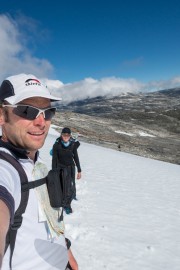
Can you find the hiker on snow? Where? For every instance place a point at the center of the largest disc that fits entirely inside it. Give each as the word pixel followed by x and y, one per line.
pixel 65 155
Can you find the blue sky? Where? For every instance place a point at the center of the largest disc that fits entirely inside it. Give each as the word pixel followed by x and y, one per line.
pixel 74 40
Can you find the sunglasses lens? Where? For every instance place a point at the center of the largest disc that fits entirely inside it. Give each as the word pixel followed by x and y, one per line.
pixel 31 113
pixel 26 112
pixel 66 135
pixel 49 113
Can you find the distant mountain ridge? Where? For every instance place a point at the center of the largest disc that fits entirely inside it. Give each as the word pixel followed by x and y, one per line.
pixel 81 106
pixel 146 124
pixel 171 92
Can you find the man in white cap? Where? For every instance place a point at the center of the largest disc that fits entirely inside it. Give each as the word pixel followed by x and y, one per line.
pixel 25 118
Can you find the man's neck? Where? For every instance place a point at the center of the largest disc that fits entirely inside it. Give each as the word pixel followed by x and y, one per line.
pixel 17 151
pixel 31 154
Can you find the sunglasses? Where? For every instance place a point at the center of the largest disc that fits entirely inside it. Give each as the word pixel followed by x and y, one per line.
pixel 30 113
pixel 66 135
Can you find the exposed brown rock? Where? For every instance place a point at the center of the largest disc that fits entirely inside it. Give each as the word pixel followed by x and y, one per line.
pixel 144 124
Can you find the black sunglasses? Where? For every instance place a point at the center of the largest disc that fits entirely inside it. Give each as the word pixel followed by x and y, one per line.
pixel 30 113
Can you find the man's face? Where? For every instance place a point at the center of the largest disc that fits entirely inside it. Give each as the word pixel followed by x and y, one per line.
pixel 27 134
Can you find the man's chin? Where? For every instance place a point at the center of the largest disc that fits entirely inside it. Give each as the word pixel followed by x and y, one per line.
pixel 35 146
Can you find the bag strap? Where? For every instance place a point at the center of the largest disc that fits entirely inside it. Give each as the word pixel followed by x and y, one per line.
pixel 34 184
pixel 25 187
pixel 11 235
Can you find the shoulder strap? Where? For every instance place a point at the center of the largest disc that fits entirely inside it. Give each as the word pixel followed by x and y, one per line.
pixel 25 187
pixel 77 144
pixel 11 235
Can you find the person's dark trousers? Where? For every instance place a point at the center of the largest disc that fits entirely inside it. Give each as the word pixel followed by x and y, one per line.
pixel 68 175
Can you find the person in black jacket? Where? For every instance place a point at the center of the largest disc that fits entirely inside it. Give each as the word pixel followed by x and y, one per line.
pixel 65 155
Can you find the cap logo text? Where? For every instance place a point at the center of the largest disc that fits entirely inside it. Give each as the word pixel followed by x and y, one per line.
pixel 32 82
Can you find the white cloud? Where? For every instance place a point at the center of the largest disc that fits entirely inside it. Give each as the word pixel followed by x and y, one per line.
pixel 15 56
pixel 90 87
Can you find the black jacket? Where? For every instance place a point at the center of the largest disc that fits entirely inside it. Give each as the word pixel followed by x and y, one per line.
pixel 65 156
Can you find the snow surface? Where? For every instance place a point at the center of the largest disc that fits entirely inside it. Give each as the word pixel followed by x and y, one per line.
pixel 127 216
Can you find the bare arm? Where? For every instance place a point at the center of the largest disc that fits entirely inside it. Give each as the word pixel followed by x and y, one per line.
pixel 4 225
pixel 72 260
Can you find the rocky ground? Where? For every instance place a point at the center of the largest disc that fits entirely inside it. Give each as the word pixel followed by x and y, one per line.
pixel 143 124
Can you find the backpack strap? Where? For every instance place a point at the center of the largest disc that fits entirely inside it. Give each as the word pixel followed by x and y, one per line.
pixel 25 187
pixel 11 235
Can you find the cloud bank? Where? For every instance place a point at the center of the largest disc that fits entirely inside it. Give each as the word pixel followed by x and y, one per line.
pixel 16 57
pixel 89 88
pixel 111 86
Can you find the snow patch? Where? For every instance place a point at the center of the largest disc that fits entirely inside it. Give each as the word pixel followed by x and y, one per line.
pixel 123 132
pixel 141 133
pixel 52 130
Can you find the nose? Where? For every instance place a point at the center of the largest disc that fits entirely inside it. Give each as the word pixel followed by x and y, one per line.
pixel 40 120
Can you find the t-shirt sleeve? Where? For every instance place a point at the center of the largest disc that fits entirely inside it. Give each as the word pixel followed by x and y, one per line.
pixel 10 189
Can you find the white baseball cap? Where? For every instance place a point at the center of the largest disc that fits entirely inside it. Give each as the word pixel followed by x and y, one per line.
pixel 22 86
